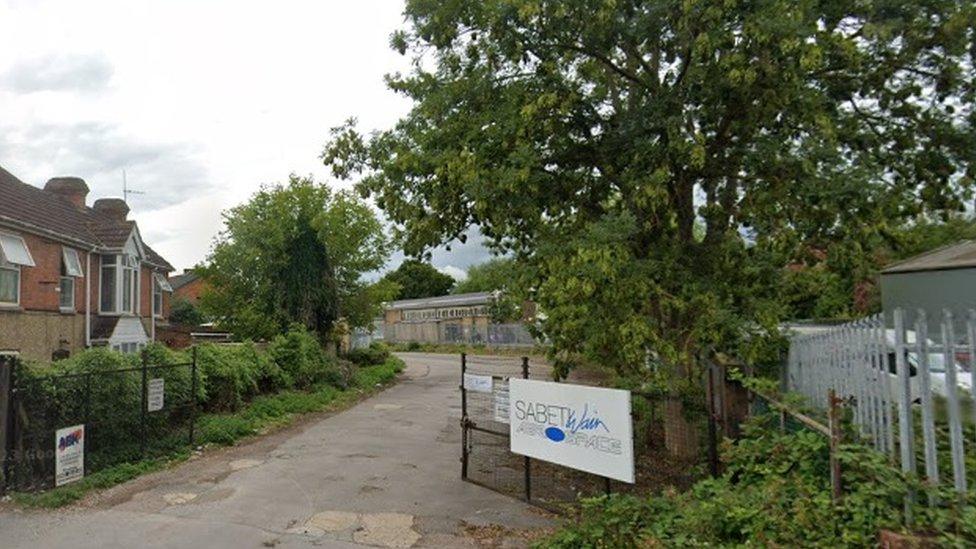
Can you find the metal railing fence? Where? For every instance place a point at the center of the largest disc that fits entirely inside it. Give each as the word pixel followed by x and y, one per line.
pixel 910 388
pixel 127 414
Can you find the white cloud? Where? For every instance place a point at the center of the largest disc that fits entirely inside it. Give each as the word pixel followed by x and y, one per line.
pixel 55 72
pixel 455 272
pixel 200 102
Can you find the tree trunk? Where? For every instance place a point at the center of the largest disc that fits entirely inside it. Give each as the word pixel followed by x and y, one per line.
pixel 681 435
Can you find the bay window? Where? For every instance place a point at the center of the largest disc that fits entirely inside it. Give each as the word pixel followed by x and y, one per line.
pixel 109 295
pixel 120 284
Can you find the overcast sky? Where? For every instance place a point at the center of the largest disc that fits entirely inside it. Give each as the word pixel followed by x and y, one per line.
pixel 199 101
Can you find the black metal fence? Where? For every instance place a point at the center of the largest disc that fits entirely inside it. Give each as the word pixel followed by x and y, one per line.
pixel 127 414
pixel 487 461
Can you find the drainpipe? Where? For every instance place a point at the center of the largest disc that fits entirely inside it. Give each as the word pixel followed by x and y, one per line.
pixel 88 299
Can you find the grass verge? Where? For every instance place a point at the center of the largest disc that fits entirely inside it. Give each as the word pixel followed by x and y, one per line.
pixel 262 415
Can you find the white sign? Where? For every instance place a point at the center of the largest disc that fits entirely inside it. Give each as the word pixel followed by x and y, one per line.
pixel 586 428
pixel 476 383
pixel 154 401
pixel 499 399
pixel 69 454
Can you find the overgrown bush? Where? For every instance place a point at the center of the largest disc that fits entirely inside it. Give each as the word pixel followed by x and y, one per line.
pixel 231 374
pixel 775 491
pixel 376 353
pixel 303 361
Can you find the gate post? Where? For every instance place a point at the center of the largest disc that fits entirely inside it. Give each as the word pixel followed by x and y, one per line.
pixel 528 461
pixel 464 419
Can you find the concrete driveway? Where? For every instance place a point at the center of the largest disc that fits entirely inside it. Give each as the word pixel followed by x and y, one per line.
pixel 383 473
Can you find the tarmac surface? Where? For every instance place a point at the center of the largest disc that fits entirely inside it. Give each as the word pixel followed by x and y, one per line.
pixel 384 473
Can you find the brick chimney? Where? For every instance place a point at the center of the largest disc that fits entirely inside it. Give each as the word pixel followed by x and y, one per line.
pixel 113 208
pixel 73 188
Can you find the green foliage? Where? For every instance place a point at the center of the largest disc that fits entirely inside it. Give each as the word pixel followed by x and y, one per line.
pixel 229 379
pixel 417 279
pixel 376 353
pixel 302 360
pixel 223 429
pixel 182 312
pixel 295 253
pixel 656 165
pixel 496 274
pixel 775 491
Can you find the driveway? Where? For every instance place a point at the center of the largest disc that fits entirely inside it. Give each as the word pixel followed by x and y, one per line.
pixel 383 473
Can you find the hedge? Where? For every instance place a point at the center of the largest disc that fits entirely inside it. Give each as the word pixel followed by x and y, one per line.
pixel 109 402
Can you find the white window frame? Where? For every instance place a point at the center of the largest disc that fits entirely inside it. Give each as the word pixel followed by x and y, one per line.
pixel 8 246
pixel 126 265
pixel 157 293
pixel 72 262
pixel 66 308
pixel 4 265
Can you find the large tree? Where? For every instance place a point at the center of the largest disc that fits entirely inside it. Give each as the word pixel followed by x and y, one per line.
pixel 660 162
pixel 496 274
pixel 296 253
pixel 416 279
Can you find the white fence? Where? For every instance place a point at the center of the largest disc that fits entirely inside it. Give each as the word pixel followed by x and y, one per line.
pixel 896 378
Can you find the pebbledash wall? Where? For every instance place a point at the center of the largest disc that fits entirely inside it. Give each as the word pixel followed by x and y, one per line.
pixel 38 327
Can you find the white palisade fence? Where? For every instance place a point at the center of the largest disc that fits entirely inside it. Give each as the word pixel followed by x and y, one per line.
pixel 897 379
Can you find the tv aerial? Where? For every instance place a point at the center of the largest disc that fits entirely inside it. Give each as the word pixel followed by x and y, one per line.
pixel 125 189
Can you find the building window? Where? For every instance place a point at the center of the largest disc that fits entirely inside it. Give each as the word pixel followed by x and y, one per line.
pixel 67 298
pixel 9 283
pixel 160 285
pixel 120 284
pixel 109 300
pixel 14 250
pixel 70 268
pixel 128 347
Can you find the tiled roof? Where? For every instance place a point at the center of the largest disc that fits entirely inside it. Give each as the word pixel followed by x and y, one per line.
pixel 51 214
pixel 961 255
pixel 179 281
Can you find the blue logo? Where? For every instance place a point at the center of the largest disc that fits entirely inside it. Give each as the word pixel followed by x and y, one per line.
pixel 555 434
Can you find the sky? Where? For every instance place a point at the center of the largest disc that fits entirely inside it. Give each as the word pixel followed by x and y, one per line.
pixel 200 102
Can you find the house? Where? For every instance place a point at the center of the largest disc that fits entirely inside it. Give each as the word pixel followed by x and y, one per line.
pixel 74 276
pixel 944 278
pixel 188 286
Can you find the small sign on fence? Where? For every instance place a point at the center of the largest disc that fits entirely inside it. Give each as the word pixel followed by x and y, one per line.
pixel 69 454
pixel 154 400
pixel 477 383
pixel 585 428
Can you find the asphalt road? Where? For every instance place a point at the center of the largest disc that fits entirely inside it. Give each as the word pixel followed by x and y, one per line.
pixel 383 473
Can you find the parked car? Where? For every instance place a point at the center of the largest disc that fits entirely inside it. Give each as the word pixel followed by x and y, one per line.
pixel 937 368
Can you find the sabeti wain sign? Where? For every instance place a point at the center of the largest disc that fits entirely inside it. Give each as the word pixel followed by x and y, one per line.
pixel 585 428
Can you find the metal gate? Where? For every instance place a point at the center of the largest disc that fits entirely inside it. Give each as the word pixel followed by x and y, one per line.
pixel 485 456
